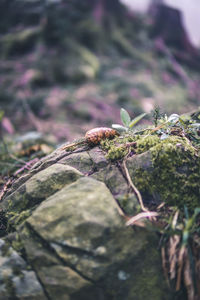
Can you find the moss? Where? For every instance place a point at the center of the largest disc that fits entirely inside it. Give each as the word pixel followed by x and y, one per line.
pixel 20 198
pixel 174 177
pixel 15 219
pixel 17 244
pixel 146 142
pixel 116 149
pixel 116 153
pixel 6 250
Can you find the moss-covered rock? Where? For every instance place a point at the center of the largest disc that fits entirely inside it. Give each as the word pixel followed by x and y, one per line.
pixel 163 170
pixel 78 234
pixel 68 225
pixel 40 186
pixel 174 174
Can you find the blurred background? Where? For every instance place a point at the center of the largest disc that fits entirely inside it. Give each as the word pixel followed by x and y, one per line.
pixel 68 65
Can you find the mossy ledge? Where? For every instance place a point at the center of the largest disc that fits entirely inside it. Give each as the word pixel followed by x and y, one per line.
pixel 174 176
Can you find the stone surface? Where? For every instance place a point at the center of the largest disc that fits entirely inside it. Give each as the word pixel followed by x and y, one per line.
pixel 81 161
pixel 40 186
pixel 75 242
pixel 17 281
pixel 98 157
pixel 113 178
pixel 78 233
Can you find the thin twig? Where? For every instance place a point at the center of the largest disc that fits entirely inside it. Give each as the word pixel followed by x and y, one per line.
pixel 136 191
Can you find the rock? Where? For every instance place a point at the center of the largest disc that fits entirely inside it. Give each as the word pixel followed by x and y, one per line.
pixel 94 164
pixel 81 161
pixel 113 179
pixel 98 158
pixel 40 186
pixel 78 233
pixel 17 281
pixel 69 227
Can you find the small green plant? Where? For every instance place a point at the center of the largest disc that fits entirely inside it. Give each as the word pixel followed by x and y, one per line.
pixel 157 115
pixel 178 125
pixel 126 121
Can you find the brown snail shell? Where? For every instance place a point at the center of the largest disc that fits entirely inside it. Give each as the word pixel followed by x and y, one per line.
pixel 95 135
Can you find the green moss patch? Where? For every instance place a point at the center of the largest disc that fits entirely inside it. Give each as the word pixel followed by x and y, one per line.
pixel 175 174
pixel 175 167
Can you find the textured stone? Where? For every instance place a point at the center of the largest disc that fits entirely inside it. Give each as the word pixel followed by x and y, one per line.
pixel 113 178
pixel 40 186
pixel 78 233
pixel 77 245
pixel 17 281
pixel 80 160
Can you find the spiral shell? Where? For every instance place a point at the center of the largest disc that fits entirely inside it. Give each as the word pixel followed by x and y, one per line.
pixel 94 136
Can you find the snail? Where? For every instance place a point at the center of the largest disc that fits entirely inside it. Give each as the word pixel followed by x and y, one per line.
pixel 94 136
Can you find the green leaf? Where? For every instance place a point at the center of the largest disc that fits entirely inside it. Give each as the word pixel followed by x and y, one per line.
pixel 125 118
pixel 136 120
pixel 119 128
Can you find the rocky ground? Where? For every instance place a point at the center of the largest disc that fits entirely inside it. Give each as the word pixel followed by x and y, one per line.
pixel 68 240
pixel 64 232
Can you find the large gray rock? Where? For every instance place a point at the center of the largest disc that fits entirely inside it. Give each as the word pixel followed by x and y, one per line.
pixel 74 242
pixel 78 245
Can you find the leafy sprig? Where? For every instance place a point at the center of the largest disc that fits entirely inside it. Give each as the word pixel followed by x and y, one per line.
pixel 128 124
